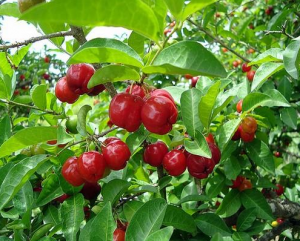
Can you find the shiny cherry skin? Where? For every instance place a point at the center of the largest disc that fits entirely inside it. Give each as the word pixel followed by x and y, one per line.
pixel 162 92
pixel 239 106
pixel 116 154
pixel 199 166
pixel 46 76
pixel 174 162
pixel 159 113
pixel 78 77
pixel 136 90
pixel 215 152
pixel 71 172
pixel 110 140
pixel 237 134
pixel 64 93
pixel 22 77
pixel 246 184
pixel 249 125
pixel 194 81
pixel 237 182
pixel 235 64
pixel 210 138
pixel 246 137
pixel 250 75
pixel 125 111
pixel 269 10
pixel 154 153
pixel 246 68
pixel 91 166
pixel 277 154
pixel 279 190
pixel 90 191
pixel 96 90
pixel 119 235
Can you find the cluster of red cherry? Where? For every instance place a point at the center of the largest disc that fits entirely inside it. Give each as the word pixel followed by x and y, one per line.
pixel 250 73
pixel 156 109
pixel 241 183
pixel 246 130
pixel 176 161
pixel 92 166
pixel 70 87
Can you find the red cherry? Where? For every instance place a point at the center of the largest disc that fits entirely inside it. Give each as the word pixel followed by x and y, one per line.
pixel 224 50
pixel 78 76
pixel 167 30
pixel 246 137
pixel 64 93
pixel 119 235
pixel 237 134
pixel 215 152
pixel 159 114
pixel 250 75
pixel 125 111
pixel 237 182
pixel 122 225
pixel 249 125
pixel 194 81
pixel 279 190
pixel 22 77
pixel 91 191
pixel 269 10
pixel 162 92
pixel 218 15
pixel 71 173
pixel 96 90
pixel 246 68
pixel 52 142
pixel 16 92
pixel 280 220
pixel 235 64
pixel 116 154
pixel 199 166
pixel 111 140
pixel 110 124
pixel 174 162
pixel 239 106
pixel 91 166
pixel 188 76
pixel 46 76
pixel 25 87
pixel 154 153
pixel 47 59
pixel 87 212
pixel 62 198
pixel 239 61
pixel 136 90
pixel 245 185
pixel 277 154
pixel 210 138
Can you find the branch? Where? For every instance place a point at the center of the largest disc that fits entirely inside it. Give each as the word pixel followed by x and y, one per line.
pixel 285 208
pixel 128 198
pixel 270 235
pixel 282 31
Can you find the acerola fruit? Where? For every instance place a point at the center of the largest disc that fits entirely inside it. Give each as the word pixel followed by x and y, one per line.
pixel 245 185
pixel 210 138
pixel 16 92
pixel 217 15
pixel 119 235
pixel 199 166
pixel 215 152
pixel 62 198
pixel 122 225
pixel 279 190
pixel 246 137
pixel 46 59
pixel 22 77
pixel 269 10
pixel 136 90
pixel 91 166
pixel 71 173
pixel 237 182
pixel 64 93
pixel 250 75
pixel 96 90
pixel 274 224
pixel 162 92
pixel 174 162
pixel 246 68
pixel 125 111
pixel 237 134
pixel 194 81
pixel 90 191
pixel 235 64
pixel 239 106
pixel 224 50
pixel 154 153
pixel 188 76
pixel 277 154
pixel 46 76
pixel 249 125
pixel 280 220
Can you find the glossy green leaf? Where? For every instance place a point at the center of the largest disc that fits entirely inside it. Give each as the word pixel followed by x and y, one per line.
pixel 240 236
pixel 135 140
pixel 27 137
pixel 285 88
pixel 232 167
pixel 4 65
pixel 50 27
pixel 278 20
pixel 82 118
pixel 62 136
pixel 244 23
pixel 137 42
pixel 113 73
pixel 230 204
pixel 222 101
pixel 277 99
pixel 10 9
pixel 246 218
pixel 5 129
pixel 176 92
pixel 146 220
pixel 8 85
pixel 226 131
pixel 20 54
pixel 134 15
pixel 198 146
pixel 38 95
pixel 72 215
pixel 161 235
pixel 195 6
pixel 210 224
pixel 291 59
pixel 264 72
pixel 23 170
pixel 217 237
pixel 23 200
pixel 113 190
pixel 273 54
pixel 130 209
pixel 254 198
pixel 41 232
pixel 52 215
pixel 186 57
pixel 215 185
pixel 254 100
pixel 179 219
pixel 189 102
pixel 194 198
pixel 289 116
pixel 261 155
pixel 175 7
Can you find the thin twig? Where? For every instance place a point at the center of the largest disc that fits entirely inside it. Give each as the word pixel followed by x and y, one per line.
pixel 282 31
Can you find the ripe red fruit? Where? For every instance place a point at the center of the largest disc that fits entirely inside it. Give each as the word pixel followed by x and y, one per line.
pixel 119 235
pixel 159 113
pixel 199 166
pixel 279 190
pixel 136 90
pixel 235 64
pixel 249 125
pixel 122 225
pixel 269 10
pixel 116 154
pixel 46 76
pixel 172 24
pixel 25 87
pixel 218 15
pixel 64 93
pixel 188 76
pixel 47 59
pixel 251 26
pixel 71 173
pixel 250 75
pixel 167 30
pixel 246 68
pixel 174 162
pixel 16 92
pixel 162 92
pixel 125 111
pixel 62 198
pixel 245 185
pixel 210 138
pixel 239 61
pixel 237 182
pixel 110 124
pixel 239 106
pixel 246 137
pixel 96 90
pixel 194 81
pixel 154 153
pixel 224 50
pixel 280 220
pixel 91 166
pixel 22 77
pixel 277 154
pixel 215 152
pixel 78 76
pixel 52 142
pixel 237 134
pixel 90 191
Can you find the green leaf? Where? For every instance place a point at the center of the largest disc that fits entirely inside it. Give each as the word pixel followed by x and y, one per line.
pixel 210 224
pixel 289 116
pixel 130 209
pixel 38 95
pixel 285 88
pixel 254 100
pixel 113 190
pixel 179 219
pixel 5 129
pixel 214 186
pixel 52 215
pixel 4 65
pixel 217 237
pixel 198 146
pixel 254 198
pixel 261 155
pixel 264 72
pixel 243 25
pixel 186 57
pixel 10 9
pixel 27 137
pixel 7 85
pixel 273 54
pixel 135 140
pixel 72 215
pixel 50 27
pixel 175 7
pixel 195 6
pixel 98 13
pixel 278 20
pixel 207 103
pixel 291 59
pixel 146 220
pixel 246 218
pixel 189 102
pixel 240 236
pixel 23 170
pixel 81 119
pixel 176 92
pixel 232 167
pixel 277 98
pixel 230 204
pixel 161 235
pixel 195 198
pixel 20 54
pixel 41 232
pixel 23 200
pixel 137 42
pixel 226 131
pixel 113 73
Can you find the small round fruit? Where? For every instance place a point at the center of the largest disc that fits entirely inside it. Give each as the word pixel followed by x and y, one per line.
pixel 269 10
pixel 239 106
pixel 162 92
pixel 188 76
pixel 215 152
pixel 47 60
pixel 237 134
pixel 277 154
pixel 224 50
pixel 249 125
pixel 119 235
pixel 71 173
pixel 245 185
pixel 235 64
pixel 246 68
pixel 26 4
pixel 210 138
pixel 136 90
pixel 22 77
pixel 246 137
pixel 62 198
pixel 174 162
pixel 91 166
pixel 274 224
pixel 199 166
pixel 16 92
pixel 279 190
pixel 90 191
pixel 64 93
pixel 194 81
pixel 71 124
pixel 78 77
pixel 52 142
pixel 237 182
pixel 46 76
pixel 154 153
pixel 250 75
pixel 96 90
pixel 280 220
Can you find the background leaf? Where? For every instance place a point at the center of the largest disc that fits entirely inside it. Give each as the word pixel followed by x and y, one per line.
pixel 291 59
